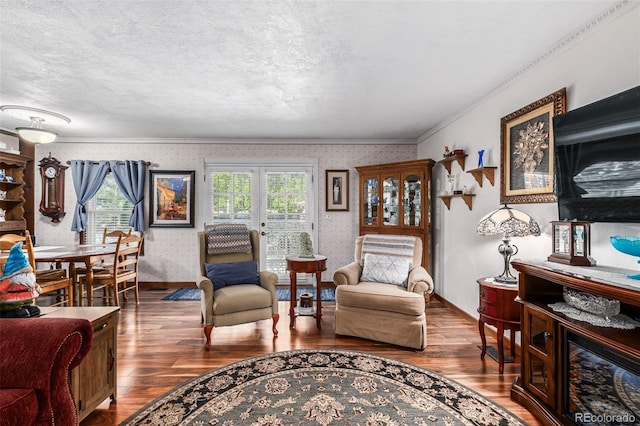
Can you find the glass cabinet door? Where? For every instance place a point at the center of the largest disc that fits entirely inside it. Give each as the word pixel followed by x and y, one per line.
pixel 390 195
pixel 412 201
pixel 370 201
pixel 539 355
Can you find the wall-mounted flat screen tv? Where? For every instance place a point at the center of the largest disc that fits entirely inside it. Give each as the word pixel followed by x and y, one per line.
pixel 597 160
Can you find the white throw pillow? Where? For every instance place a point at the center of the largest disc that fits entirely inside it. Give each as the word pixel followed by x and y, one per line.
pixel 386 269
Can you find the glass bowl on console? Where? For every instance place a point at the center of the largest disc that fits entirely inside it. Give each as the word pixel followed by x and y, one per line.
pixel 628 245
pixel 587 302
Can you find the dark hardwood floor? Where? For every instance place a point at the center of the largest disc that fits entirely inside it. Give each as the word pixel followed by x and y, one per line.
pixel 160 345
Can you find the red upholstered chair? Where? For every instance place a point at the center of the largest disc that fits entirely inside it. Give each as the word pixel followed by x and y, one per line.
pixel 36 356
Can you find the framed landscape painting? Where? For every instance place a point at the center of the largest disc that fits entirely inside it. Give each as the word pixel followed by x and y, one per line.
pixel 171 199
pixel 527 150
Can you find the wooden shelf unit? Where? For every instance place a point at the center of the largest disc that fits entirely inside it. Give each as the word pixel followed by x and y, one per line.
pixel 467 198
pixel 14 201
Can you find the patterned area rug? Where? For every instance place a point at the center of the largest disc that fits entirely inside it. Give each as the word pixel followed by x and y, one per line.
pixel 327 294
pixel 322 387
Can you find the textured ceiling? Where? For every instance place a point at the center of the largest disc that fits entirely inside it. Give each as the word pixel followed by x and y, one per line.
pixel 270 69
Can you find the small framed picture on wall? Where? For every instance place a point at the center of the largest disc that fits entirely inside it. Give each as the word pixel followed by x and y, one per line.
pixel 337 190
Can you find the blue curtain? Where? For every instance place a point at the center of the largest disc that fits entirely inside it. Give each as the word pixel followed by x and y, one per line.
pixel 87 179
pixel 130 177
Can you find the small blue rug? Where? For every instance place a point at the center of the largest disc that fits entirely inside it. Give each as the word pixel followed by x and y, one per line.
pixel 184 294
pixel 328 294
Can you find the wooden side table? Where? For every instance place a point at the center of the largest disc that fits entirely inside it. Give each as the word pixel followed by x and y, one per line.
pixel 498 308
pixel 95 379
pixel 296 265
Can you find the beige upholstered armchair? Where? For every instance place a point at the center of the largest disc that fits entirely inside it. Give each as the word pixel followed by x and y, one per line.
pixel 381 295
pixel 236 297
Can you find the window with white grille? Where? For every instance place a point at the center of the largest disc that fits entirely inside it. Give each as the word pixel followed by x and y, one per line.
pixel 108 209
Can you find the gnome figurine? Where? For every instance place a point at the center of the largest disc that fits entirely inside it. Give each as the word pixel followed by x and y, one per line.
pixel 18 287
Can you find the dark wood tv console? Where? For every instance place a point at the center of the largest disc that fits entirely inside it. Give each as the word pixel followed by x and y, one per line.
pixel 545 381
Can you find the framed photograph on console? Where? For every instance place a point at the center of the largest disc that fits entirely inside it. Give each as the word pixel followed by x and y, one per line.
pixel 171 199
pixel 337 190
pixel 526 151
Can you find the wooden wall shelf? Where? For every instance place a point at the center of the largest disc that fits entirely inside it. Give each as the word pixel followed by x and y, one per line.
pixel 467 198
pixel 446 162
pixel 487 171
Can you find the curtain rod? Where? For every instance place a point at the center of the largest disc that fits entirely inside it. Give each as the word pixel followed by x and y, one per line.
pixel 118 162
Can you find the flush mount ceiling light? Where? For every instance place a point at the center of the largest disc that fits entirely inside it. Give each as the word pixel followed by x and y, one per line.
pixel 35 133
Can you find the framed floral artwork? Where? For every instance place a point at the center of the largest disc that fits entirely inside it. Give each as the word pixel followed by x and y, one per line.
pixel 171 199
pixel 526 152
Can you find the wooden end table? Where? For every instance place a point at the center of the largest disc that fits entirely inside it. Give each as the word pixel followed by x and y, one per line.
pixel 96 378
pixel 314 265
pixel 498 308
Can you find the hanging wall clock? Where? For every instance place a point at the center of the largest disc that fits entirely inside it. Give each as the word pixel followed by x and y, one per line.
pixel 52 201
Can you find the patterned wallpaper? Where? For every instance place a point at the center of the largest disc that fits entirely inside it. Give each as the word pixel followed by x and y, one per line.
pixel 171 253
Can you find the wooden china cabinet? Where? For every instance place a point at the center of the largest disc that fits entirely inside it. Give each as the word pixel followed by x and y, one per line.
pixel 12 193
pixel 396 198
pixel 16 188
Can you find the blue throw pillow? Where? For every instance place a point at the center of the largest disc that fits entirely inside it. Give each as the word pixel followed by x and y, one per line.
pixel 224 274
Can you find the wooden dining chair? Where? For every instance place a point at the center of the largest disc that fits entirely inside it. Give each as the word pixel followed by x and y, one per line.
pixel 108 237
pixel 122 277
pixel 53 281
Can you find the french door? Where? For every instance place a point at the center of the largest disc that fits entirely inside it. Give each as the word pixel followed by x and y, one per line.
pixel 277 199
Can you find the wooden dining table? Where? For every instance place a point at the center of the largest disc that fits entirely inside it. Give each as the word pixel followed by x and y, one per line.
pixel 88 254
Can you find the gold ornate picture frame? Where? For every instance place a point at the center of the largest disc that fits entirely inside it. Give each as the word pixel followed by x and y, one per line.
pixel 527 150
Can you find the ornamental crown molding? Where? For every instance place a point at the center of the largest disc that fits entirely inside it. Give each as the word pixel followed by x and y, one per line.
pixel 572 39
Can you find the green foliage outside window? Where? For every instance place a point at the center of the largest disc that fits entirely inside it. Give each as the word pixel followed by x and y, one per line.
pixel 108 209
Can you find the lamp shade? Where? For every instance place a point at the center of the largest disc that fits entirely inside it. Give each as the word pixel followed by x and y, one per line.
pixel 34 135
pixel 507 222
